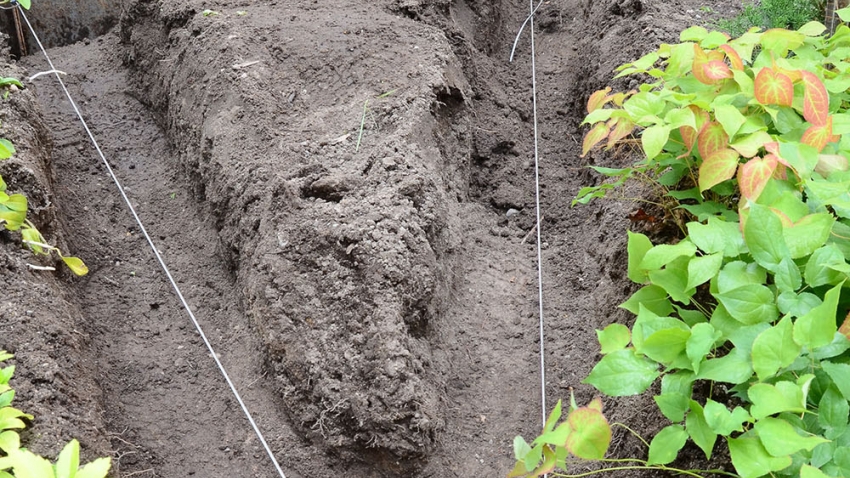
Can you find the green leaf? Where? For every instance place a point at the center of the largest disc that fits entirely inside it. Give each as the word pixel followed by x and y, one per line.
pixel 10 418
pixel 28 465
pixel 734 367
pixel 717 236
pixel 700 343
pixel 770 399
pixel 702 434
pixel 623 373
pixel 812 29
pixel 817 328
pixel 780 438
pixel 751 460
pixel 590 434
pixel 614 337
pixel 763 235
pixel 738 274
pixel 532 459
pixel 674 280
pixel 797 305
pixel 553 418
pixel 9 440
pixel 818 272
pixel 652 297
pixel 557 437
pixel 653 140
pixel 833 411
pixel 521 448
pixel 840 375
pixel 788 277
pixel 702 269
pixel 638 246
pixel 663 254
pixel 721 420
pixel 96 469
pixel 808 471
pixel 774 349
pixel 730 118
pixel 6 149
pixel 665 345
pixel 808 234
pixel 25 3
pixel 673 405
pixel 750 304
pixel 666 445
pixel 69 460
pixel 695 34
pixel 76 265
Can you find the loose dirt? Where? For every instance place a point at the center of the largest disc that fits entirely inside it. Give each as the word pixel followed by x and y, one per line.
pixel 372 289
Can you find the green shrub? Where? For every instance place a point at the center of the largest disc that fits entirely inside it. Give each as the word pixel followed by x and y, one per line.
pixel 791 14
pixel 751 137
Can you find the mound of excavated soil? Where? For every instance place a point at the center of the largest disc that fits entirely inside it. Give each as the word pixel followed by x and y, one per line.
pixel 344 189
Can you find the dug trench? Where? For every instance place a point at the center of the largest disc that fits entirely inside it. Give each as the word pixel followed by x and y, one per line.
pixel 344 192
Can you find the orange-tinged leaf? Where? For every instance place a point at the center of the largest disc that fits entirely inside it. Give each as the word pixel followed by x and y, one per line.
pixel 717 70
pixel 518 471
pixel 715 55
pixel 549 462
pixel 718 167
pixel 594 136
pixel 591 434
pixel 712 138
pixel 845 327
pixel 598 99
pixel 815 100
pixel 689 135
pixel 622 128
pixel 619 98
pixel 818 136
pixel 773 88
pixel 596 404
pixel 733 56
pixel 795 75
pixel 783 218
pixel 701 59
pixel 754 175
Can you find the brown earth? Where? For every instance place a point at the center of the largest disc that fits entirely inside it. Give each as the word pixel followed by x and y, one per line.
pixel 374 298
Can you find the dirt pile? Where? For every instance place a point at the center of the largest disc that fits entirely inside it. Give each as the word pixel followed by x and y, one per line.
pixel 343 254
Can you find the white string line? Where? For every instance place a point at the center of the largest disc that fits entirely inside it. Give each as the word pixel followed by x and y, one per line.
pixel 530 21
pixel 155 251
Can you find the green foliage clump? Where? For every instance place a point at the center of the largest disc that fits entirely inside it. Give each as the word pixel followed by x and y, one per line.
pixel 791 14
pixel 17 462
pixel 750 139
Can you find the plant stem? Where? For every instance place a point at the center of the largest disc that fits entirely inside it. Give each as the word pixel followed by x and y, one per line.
pixel 632 432
pixel 693 473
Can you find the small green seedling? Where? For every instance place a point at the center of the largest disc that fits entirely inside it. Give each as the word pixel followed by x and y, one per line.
pixel 363 117
pixel 209 13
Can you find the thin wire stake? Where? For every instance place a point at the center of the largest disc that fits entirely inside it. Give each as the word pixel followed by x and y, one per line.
pixel 530 21
pixel 156 252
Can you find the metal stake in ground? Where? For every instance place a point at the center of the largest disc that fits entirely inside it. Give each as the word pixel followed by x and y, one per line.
pixel 530 21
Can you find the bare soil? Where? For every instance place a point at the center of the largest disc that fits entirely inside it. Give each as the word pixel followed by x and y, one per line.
pixel 372 290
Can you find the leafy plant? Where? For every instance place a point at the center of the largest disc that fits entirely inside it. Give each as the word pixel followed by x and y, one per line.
pixel 749 136
pixel 13 214
pixel 21 463
pixel 766 14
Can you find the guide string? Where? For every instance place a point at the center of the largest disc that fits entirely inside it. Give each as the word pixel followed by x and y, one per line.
pixel 530 21
pixel 156 253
